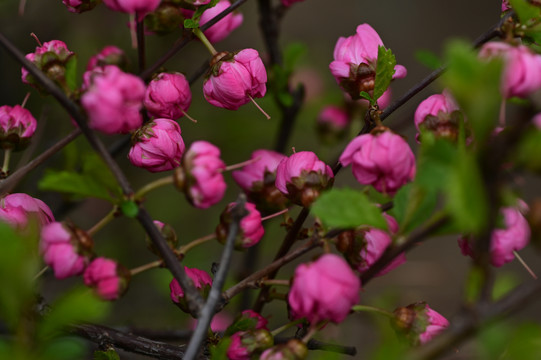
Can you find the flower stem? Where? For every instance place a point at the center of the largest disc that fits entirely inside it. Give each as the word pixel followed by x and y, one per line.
pixel 188 116
pixel 241 164
pixel 528 269
pixel 311 332
pixel 104 221
pixel 286 326
pixel 184 249
pixel 25 100
pixel 197 32
pixel 359 308
pixel 145 267
pixel 153 185
pixel 268 217
pixel 7 156
pixel 259 107
pixel 41 272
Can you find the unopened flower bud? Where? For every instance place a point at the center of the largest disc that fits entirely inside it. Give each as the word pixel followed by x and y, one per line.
pixel 108 278
pixel 165 19
pixel 381 159
pixel 17 209
pixel 418 322
pixel 157 146
pixel 109 55
pixel 141 7
pixel 225 26
pixel 79 6
pixel 244 344
pixel 202 282
pixel 65 248
pixel 332 123
pixel 250 231
pixel 200 176
pixel 440 115
pixel 294 349
pixel 302 177
pixel 168 234
pixel 234 78
pixel 168 95
pixel 17 125
pixel 260 321
pixel 355 60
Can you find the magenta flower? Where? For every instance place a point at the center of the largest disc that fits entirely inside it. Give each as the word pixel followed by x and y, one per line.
pixel 158 146
pixel 245 344
pixel 332 123
pixel 522 68
pixel 168 95
pixel 383 160
pixel 355 60
pixel 108 278
pixel 261 321
pixel 302 177
pixel 16 209
pixel 200 177
pixel 17 125
pixel 225 26
pixel 439 114
pixel 113 101
pixel 324 290
pixel 202 282
pixel 514 237
pixel 79 6
pixel 109 55
pixel 505 5
pixel 236 351
pixel 65 249
pixel 235 78
pixel 141 7
pixel 419 323
pixel 251 229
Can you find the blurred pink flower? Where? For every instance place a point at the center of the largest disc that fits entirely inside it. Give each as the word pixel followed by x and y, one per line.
pixel 168 95
pixel 16 209
pixel 225 26
pixel 109 279
pixel 17 125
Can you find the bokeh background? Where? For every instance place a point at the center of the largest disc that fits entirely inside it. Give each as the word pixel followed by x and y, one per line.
pixel 435 272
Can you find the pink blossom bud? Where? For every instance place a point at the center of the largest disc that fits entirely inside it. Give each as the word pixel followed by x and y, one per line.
pixel 168 95
pixel 202 282
pixel 381 159
pixel 109 55
pixel 505 5
pixel 251 229
pixel 79 6
pixel 440 115
pixel 16 209
pixel 324 290
pixel 65 248
pixel 258 177
pixel 288 3
pixel 219 323
pixel 113 101
pixel 418 322
pixel 225 26
pixel 244 344
pixel 52 59
pixel 168 234
pixel 302 177
pixel 157 146
pixel 522 68
pixel 261 322
pixel 514 237
pixel 332 123
pixel 355 60
pixel 200 176
pixel 141 7
pixel 234 78
pixel 17 125
pixel 108 278
pixel 167 18
pixel 294 349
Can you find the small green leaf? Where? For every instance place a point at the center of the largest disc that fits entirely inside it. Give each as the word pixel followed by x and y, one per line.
pixel 524 344
pixel 194 21
pixel 110 354
pixel 473 285
pixel 367 96
pixel 413 206
pixel 347 209
pixel 219 352
pixel 129 208
pixel 71 73
pixel 503 285
pixel 243 324
pixel 292 54
pixel 428 59
pixel 528 150
pixel 384 71
pixel 64 348
pixel 493 339
pixel 525 11
pixel 190 24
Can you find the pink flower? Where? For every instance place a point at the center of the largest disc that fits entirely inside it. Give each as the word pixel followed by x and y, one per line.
pixel 383 160
pixel 109 55
pixel 290 2
pixel 15 209
pixel 332 123
pixel 168 95
pixel 505 5
pixel 202 282
pixel 324 290
pixel 294 349
pixel 419 323
pixel 236 351
pixel 376 241
pixel 17 125
pixel 355 60
pixel 107 278
pixel 132 6
pixel 158 146
pixel 251 229
pixel 225 26
pixel 514 237
pixel 302 177
pixel 434 105
pixel 65 249
pixel 113 101
pixel 244 344
pixel 79 6
pixel 522 68
pixel 254 174
pixel 235 78
pixel 261 321
pixel 201 177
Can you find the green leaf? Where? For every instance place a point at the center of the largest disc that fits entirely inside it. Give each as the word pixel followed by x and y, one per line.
pixel 367 96
pixel 524 344
pixel 219 351
pixel 528 150
pixel 525 11
pixel 428 59
pixel 503 285
pixel 473 285
pixel 292 54
pixel 384 71
pixel 243 324
pixel 129 208
pixel 413 205
pixel 194 21
pixel 65 348
pixel 110 354
pixel 190 24
pixel 95 180
pixel 493 339
pixel 77 306
pixel 475 84
pixel 71 73
pixel 346 209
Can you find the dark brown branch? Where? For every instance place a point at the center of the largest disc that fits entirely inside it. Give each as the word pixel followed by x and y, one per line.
pixel 140 28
